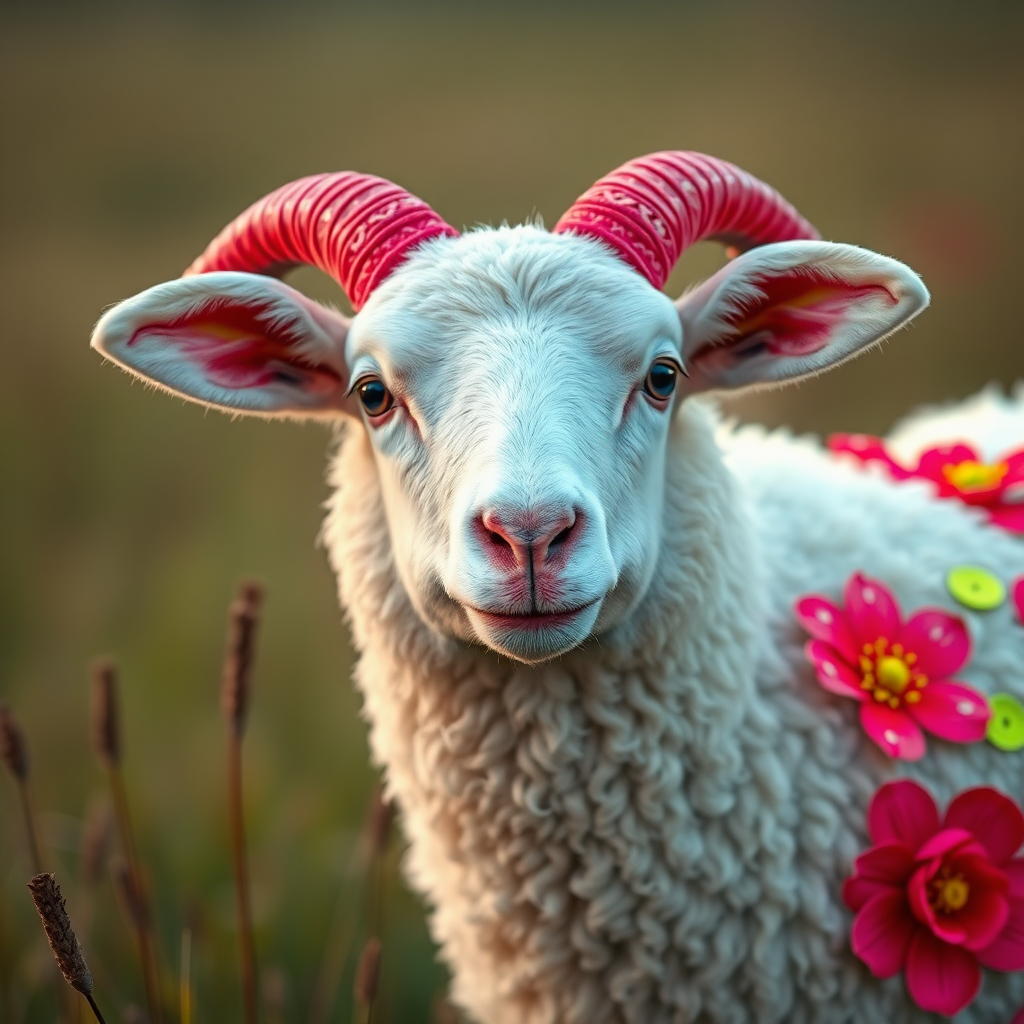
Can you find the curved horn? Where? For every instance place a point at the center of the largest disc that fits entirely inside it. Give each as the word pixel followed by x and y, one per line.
pixel 355 227
pixel 650 209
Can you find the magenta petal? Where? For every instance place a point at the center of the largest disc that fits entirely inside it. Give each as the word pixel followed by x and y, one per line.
pixel 1014 466
pixel 856 891
pixel 993 818
pixel 1007 952
pixel 868 449
pixel 975 924
pixel 940 977
pixel 953 711
pixel 871 610
pixel 917 893
pixel 1018 596
pixel 882 867
pixel 833 673
pixel 825 621
pixel 1015 873
pixel 1009 516
pixel 882 931
pixel 949 839
pixel 934 460
pixel 902 812
pixel 939 640
pixel 982 920
pixel 894 731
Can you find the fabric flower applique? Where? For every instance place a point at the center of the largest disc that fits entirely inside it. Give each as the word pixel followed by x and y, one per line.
pixel 897 670
pixel 939 899
pixel 958 471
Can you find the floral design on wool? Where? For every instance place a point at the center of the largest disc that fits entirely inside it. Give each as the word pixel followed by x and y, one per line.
pixel 956 471
pixel 898 671
pixel 938 899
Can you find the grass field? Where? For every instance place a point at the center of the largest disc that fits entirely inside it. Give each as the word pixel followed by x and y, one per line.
pixel 130 135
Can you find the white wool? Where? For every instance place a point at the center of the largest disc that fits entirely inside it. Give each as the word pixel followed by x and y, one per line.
pixel 992 421
pixel 655 827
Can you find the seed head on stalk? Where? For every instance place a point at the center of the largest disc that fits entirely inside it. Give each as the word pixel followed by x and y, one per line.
pixel 14 754
pixel 106 732
pixel 13 751
pixel 67 950
pixel 106 737
pixel 244 617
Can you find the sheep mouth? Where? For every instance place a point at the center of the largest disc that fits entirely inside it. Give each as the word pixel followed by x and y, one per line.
pixel 532 619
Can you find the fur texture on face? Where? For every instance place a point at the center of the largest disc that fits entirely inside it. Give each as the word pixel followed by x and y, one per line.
pixel 522 463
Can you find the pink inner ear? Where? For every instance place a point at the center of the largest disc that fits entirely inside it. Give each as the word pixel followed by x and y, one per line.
pixel 797 313
pixel 236 349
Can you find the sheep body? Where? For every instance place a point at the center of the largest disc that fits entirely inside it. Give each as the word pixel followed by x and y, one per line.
pixel 655 826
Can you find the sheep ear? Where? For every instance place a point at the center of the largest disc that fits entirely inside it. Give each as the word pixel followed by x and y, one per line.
pixel 787 310
pixel 240 342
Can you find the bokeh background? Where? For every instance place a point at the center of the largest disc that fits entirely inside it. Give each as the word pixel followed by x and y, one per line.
pixel 131 134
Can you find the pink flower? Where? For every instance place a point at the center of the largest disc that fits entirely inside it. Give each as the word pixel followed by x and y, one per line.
pixel 897 670
pixel 938 899
pixel 957 471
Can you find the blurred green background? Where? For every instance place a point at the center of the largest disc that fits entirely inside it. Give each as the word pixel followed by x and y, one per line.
pixel 131 134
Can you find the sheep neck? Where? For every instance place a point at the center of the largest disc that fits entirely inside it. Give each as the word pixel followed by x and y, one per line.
pixel 556 806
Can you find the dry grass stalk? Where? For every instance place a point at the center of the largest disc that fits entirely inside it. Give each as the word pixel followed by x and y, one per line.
pixel 378 826
pixel 275 995
pixel 366 856
pixel 106 733
pixel 444 1012
pixel 93 852
pixel 185 978
pixel 124 885
pixel 95 846
pixel 66 948
pixel 235 695
pixel 107 744
pixel 367 977
pixel 14 754
pixel 244 623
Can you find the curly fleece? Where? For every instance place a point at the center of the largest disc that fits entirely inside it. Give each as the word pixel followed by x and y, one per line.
pixel 655 827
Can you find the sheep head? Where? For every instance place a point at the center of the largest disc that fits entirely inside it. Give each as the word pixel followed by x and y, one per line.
pixel 517 385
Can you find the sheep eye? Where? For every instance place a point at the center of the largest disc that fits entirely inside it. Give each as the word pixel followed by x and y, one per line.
pixel 375 397
pixel 661 380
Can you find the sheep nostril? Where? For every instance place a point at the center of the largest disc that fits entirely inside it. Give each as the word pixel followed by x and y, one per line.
pixel 498 540
pixel 561 536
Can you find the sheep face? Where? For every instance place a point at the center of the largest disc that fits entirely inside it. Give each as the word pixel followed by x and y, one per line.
pixel 517 387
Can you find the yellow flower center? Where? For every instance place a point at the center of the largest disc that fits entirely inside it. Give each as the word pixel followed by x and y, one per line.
pixel 893 674
pixel 971 476
pixel 948 893
pixel 889 673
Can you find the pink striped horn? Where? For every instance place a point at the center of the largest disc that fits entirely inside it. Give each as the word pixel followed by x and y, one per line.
pixel 355 227
pixel 650 209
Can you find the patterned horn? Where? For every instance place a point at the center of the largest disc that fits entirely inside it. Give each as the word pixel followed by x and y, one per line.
pixel 355 227
pixel 650 209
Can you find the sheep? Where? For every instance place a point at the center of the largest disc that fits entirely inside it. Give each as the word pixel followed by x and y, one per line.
pixel 571 584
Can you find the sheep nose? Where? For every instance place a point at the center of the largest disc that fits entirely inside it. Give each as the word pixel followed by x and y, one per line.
pixel 528 535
